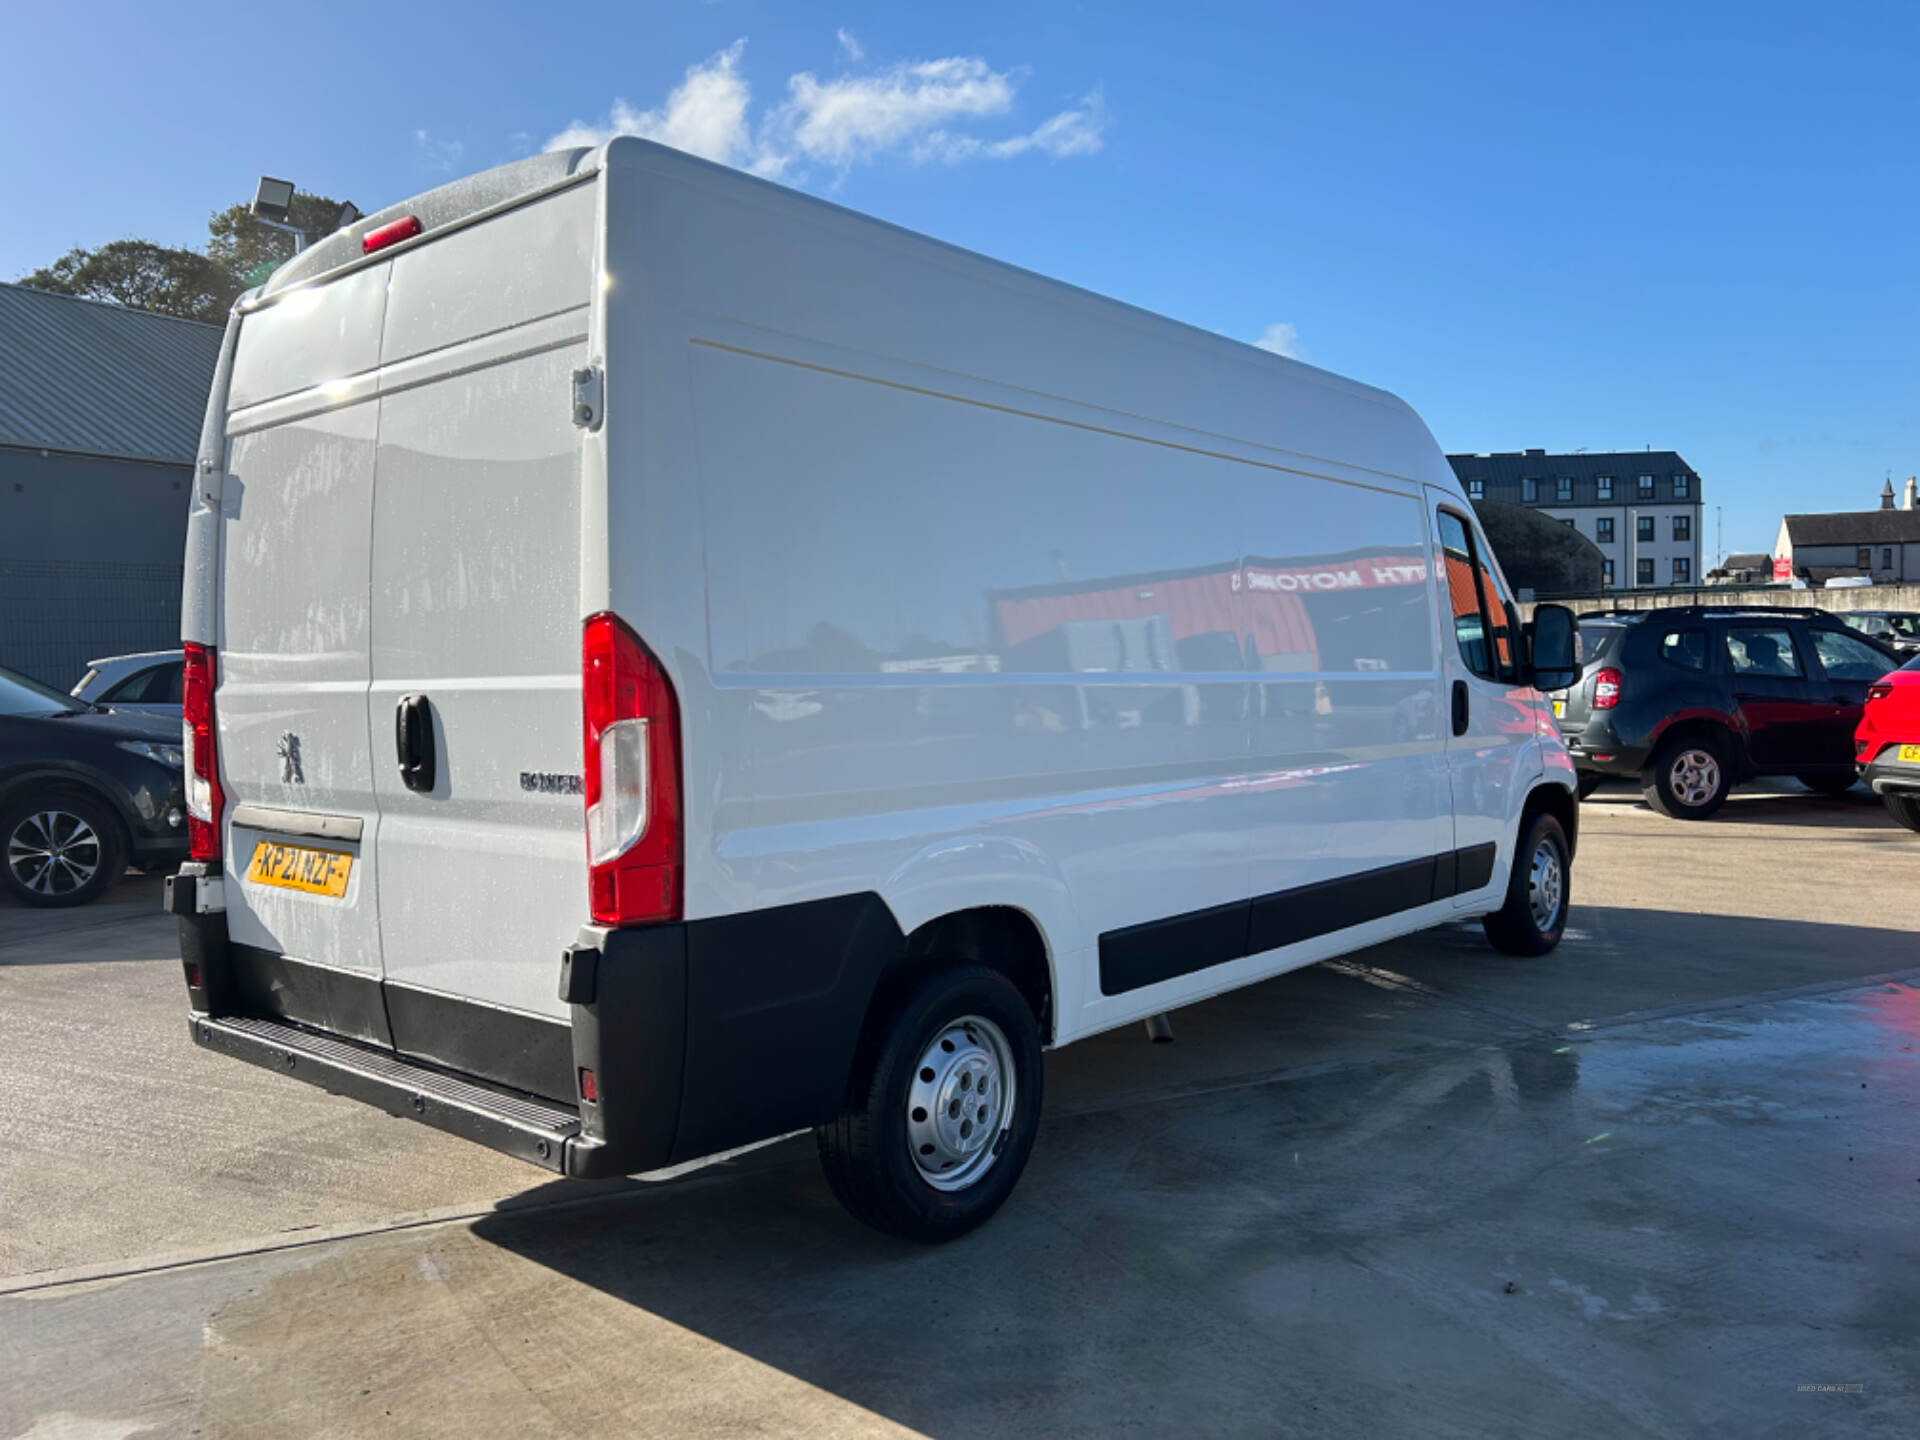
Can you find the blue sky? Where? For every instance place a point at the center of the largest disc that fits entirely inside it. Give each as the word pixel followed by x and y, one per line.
pixel 1689 226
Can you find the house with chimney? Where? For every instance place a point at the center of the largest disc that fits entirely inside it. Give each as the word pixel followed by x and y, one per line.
pixel 1882 545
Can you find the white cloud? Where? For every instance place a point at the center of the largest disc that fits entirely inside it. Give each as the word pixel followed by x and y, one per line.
pixel 705 115
pixel 434 153
pixel 1071 132
pixel 1281 338
pixel 924 110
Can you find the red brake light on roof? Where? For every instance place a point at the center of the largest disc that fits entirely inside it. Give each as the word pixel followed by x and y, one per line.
pixel 391 233
pixel 632 778
pixel 205 802
pixel 1606 688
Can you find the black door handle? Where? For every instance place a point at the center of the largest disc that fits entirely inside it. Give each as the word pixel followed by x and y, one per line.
pixel 1460 714
pixel 413 739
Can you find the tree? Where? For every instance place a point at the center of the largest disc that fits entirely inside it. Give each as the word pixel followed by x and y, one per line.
pixel 143 276
pixel 195 285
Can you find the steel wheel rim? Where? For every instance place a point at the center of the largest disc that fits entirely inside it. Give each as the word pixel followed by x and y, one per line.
pixel 1546 886
pixel 1693 777
pixel 53 852
pixel 960 1104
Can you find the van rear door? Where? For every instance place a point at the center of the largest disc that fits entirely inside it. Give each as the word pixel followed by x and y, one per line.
pixel 476 633
pixel 293 637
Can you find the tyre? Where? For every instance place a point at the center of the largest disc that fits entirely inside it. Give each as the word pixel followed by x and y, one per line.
pixel 1688 778
pixel 1832 785
pixel 1588 782
pixel 61 849
pixel 943 1113
pixel 1534 916
pixel 1905 809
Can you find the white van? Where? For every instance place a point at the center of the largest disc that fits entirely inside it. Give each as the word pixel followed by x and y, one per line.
pixel 673 663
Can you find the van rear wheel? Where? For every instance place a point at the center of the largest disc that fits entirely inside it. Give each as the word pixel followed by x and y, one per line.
pixel 941 1120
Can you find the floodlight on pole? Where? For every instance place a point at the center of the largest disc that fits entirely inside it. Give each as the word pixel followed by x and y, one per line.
pixel 272 204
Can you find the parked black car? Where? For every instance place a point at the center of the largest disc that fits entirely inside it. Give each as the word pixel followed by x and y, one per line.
pixel 1898 630
pixel 1691 700
pixel 84 792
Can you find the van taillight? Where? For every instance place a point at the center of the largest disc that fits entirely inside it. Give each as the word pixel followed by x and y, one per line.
pixel 1606 688
pixel 632 778
pixel 204 800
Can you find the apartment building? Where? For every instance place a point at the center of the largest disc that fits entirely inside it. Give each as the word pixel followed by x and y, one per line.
pixel 1641 507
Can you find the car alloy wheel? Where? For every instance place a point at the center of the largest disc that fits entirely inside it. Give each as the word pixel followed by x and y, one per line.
pixel 52 853
pixel 1694 777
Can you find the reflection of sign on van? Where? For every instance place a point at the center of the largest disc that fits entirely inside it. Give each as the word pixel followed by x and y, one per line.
pixel 1260 614
pixel 1362 576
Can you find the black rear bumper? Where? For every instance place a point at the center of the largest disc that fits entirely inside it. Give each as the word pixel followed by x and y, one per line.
pixel 1885 777
pixel 676 1022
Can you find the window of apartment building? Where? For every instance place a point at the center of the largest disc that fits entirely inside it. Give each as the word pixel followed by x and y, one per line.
pixel 1643 572
pixel 1569 523
pixel 1863 558
pixel 1476 489
pixel 1603 529
pixel 1683 527
pixel 1646 487
pixel 1886 557
pixel 1603 487
pixel 1563 488
pixel 1643 527
pixel 1606 573
pixel 1530 488
pixel 1682 486
pixel 1682 569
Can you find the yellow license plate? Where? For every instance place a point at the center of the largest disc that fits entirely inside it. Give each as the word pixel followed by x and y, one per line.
pixel 1559 707
pixel 1910 754
pixel 295 867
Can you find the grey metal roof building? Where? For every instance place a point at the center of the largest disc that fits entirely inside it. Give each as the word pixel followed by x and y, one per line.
pixel 86 378
pixel 100 411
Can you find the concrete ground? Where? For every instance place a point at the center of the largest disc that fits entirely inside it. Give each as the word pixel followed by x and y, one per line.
pixel 1665 1181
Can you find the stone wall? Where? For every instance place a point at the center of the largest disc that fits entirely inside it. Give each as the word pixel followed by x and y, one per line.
pixel 1858 597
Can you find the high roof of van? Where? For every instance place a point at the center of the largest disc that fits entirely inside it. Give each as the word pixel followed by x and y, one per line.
pixel 1401 431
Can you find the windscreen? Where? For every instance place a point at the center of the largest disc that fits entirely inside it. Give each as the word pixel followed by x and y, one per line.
pixel 21 696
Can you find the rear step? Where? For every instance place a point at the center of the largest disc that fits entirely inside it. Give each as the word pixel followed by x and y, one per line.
pixel 533 1130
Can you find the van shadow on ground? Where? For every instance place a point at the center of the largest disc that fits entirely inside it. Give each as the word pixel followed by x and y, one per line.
pixel 1329 1251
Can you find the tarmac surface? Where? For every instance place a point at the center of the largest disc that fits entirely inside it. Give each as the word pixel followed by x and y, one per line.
pixel 1665 1181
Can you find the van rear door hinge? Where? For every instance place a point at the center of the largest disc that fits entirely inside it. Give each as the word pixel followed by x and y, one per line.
pixel 589 397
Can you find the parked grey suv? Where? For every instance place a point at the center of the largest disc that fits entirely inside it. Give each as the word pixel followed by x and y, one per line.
pixel 1691 700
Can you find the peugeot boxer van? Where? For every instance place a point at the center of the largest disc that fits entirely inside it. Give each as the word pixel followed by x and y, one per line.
pixel 672 663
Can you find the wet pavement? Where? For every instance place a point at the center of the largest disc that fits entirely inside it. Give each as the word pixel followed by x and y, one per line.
pixel 1666 1181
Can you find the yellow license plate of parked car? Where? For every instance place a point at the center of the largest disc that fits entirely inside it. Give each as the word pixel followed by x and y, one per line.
pixel 295 867
pixel 1910 754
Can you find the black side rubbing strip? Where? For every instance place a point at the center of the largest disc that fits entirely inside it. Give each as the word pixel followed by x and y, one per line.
pixel 1290 916
pixel 1476 867
pixel 1146 954
pixel 1161 949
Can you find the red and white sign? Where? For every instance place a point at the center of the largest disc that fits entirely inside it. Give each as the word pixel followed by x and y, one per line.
pixel 1782 568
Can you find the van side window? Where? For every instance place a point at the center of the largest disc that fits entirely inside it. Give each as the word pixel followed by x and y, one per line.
pixel 1762 652
pixel 1466 596
pixel 1685 648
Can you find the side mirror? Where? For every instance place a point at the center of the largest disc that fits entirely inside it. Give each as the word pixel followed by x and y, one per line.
pixel 1550 648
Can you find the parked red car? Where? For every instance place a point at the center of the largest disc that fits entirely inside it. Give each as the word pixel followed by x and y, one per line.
pixel 1886 747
